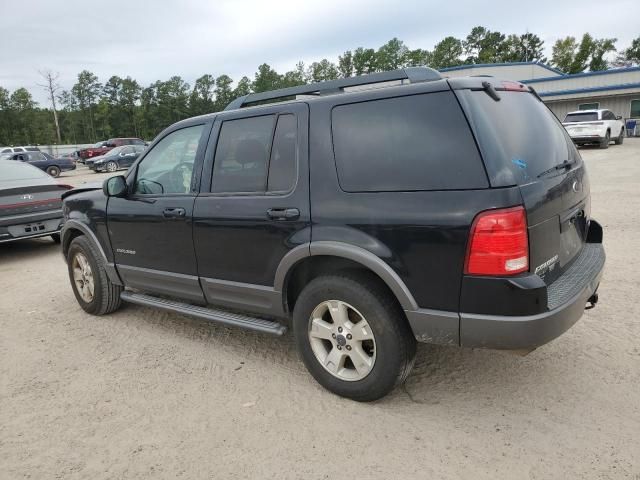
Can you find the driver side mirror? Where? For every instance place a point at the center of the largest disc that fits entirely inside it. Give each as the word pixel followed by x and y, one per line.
pixel 618 117
pixel 115 186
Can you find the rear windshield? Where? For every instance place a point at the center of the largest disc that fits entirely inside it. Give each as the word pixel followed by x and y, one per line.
pixel 581 117
pixel 519 136
pixel 13 170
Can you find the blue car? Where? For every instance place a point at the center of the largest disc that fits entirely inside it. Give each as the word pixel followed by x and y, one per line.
pixel 53 166
pixel 119 157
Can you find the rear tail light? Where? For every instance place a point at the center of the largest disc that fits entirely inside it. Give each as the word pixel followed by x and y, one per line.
pixel 498 243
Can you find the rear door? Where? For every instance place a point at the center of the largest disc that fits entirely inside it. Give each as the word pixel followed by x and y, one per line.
pixel 524 144
pixel 254 204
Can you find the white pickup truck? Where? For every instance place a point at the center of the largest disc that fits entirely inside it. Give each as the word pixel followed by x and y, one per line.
pixel 594 126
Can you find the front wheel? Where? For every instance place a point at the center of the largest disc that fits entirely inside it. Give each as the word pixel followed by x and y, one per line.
pixel 91 286
pixel 620 138
pixel 53 171
pixel 352 336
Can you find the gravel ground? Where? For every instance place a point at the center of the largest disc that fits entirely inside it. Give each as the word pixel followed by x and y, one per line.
pixel 147 394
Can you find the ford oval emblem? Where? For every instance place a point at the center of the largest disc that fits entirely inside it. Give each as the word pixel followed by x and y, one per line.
pixel 575 186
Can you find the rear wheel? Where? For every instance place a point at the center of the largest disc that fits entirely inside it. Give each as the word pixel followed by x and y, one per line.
pixel 93 290
pixel 111 166
pixel 53 171
pixel 353 336
pixel 620 138
pixel 606 140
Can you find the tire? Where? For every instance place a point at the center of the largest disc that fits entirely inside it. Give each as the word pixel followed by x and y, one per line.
pixel 620 138
pixel 53 171
pixel 106 295
pixel 605 142
pixel 394 346
pixel 56 237
pixel 111 166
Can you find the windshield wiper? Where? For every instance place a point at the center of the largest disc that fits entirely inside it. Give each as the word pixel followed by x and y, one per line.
pixel 566 165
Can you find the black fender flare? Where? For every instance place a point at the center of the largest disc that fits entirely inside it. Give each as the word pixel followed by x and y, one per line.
pixel 66 231
pixel 350 252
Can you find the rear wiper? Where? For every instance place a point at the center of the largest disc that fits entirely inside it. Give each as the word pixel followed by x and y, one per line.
pixel 566 165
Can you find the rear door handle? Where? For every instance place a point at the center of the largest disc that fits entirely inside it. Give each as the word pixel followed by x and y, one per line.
pixel 174 212
pixel 283 213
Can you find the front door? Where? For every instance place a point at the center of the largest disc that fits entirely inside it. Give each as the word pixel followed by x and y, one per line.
pixel 151 228
pixel 254 205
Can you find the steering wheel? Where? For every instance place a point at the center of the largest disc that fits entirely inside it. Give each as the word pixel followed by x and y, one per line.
pixel 180 177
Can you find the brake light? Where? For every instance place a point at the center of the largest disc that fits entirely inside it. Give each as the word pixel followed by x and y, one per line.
pixel 498 243
pixel 514 86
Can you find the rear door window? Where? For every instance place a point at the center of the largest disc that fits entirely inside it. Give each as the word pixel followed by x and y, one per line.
pixel 242 155
pixel 282 164
pixel 417 142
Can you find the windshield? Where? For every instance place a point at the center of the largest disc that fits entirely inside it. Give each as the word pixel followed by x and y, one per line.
pixel 581 117
pixel 116 151
pixel 20 171
pixel 519 136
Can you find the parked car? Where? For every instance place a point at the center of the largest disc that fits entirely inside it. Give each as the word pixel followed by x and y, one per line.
pixel 53 166
pixel 103 147
pixel 30 203
pixel 594 126
pixel 18 149
pixel 119 157
pixel 365 221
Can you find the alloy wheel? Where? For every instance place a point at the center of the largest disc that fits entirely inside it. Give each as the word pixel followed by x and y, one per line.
pixel 342 340
pixel 83 277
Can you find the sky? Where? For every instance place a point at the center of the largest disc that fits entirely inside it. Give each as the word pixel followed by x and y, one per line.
pixel 155 39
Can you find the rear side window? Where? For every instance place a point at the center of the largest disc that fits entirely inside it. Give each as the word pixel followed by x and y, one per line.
pixel 418 142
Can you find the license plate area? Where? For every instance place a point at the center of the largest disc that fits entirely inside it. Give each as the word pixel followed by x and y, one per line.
pixel 34 228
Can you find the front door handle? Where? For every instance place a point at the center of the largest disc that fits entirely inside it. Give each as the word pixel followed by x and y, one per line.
pixel 174 212
pixel 283 213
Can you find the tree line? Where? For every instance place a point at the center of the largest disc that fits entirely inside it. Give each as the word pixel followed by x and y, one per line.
pixel 120 107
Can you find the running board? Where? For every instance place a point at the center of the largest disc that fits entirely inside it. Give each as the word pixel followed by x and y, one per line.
pixel 210 314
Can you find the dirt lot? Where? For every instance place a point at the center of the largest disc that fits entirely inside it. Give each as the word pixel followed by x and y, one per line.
pixel 146 394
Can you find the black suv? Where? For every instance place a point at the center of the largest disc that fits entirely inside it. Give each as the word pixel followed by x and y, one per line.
pixel 449 211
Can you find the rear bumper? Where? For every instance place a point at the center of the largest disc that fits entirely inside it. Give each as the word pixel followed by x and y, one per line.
pixel 567 298
pixel 39 224
pixel 588 139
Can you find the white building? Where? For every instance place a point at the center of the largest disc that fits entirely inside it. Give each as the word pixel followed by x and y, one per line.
pixel 617 90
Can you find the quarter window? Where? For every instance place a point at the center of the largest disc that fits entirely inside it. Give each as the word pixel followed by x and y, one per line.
pixel 418 142
pixel 168 167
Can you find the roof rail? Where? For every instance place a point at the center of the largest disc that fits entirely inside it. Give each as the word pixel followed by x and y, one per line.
pixel 413 74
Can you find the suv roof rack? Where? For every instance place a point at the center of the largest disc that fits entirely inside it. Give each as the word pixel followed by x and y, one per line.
pixel 413 74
